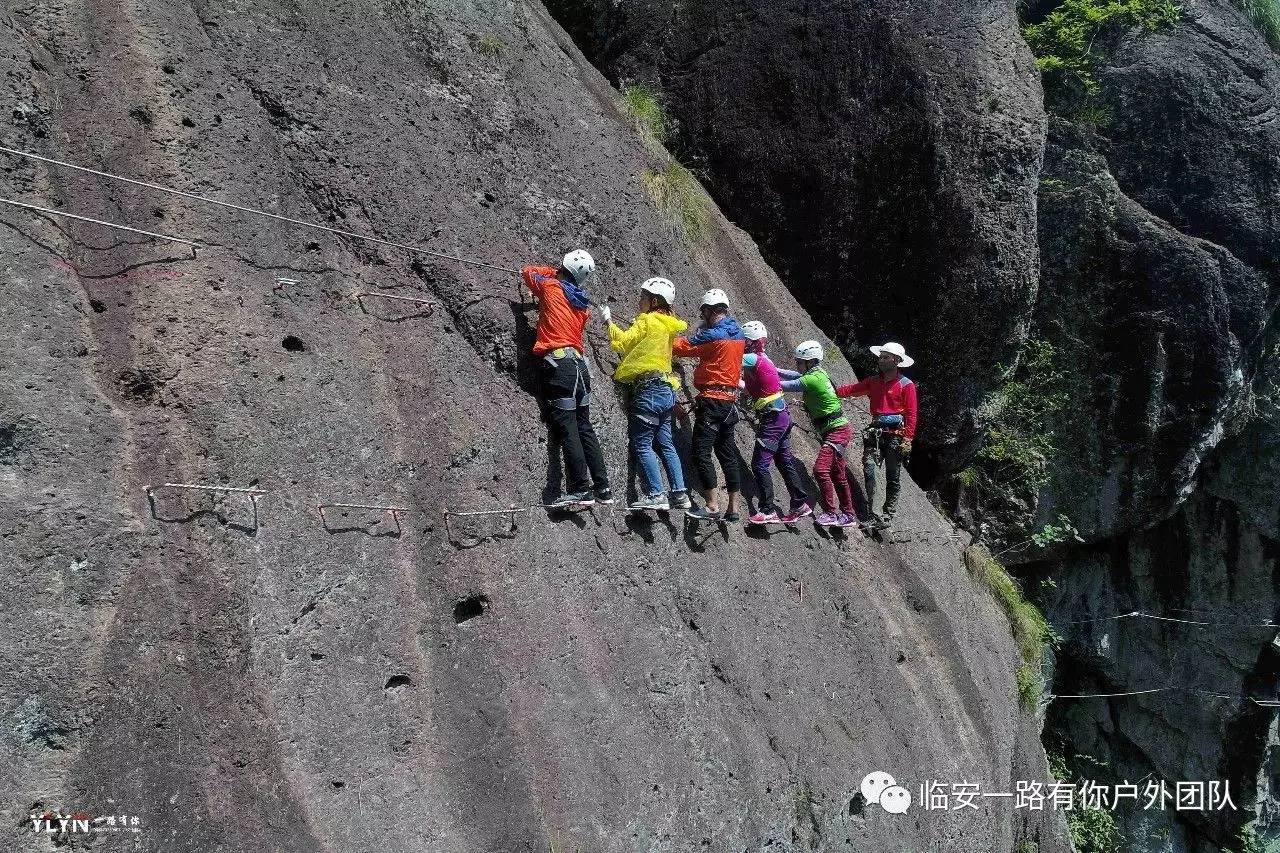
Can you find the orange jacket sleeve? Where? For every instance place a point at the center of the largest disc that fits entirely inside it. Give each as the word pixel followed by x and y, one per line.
pixel 683 349
pixel 534 277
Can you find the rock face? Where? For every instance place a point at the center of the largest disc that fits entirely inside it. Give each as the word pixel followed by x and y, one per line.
pixel 248 675
pixel 884 154
pixel 1159 238
pixel 886 157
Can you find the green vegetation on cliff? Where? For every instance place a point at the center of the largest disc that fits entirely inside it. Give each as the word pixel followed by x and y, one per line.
pixel 1020 415
pixel 642 105
pixel 1066 40
pixel 673 189
pixel 1031 631
pixel 1265 15
pixel 1093 830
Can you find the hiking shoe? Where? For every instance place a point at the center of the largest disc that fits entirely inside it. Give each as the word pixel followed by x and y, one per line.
pixel 652 502
pixel 572 499
pixel 765 518
pixel 703 513
pixel 802 511
pixel 731 518
pixel 604 496
pixel 680 500
pixel 827 519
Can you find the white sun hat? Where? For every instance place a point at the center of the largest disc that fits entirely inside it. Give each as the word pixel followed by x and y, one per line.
pixel 895 349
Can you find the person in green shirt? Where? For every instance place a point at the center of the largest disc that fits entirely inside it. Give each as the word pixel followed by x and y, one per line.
pixel 824 409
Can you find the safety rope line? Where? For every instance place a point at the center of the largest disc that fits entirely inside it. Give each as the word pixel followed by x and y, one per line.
pixel 1265 703
pixel 243 209
pixel 1135 614
pixel 193 244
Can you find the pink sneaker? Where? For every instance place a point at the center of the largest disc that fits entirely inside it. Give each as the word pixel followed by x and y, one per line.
pixel 765 518
pixel 803 511
pixel 827 519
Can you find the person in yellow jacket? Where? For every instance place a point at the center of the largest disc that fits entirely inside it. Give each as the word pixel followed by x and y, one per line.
pixel 646 370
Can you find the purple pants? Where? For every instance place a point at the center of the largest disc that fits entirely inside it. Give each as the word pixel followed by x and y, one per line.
pixel 773 443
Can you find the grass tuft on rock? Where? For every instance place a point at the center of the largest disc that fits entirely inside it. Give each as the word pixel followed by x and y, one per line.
pixel 678 195
pixel 643 106
pixel 1031 631
pixel 1265 15
pixel 490 45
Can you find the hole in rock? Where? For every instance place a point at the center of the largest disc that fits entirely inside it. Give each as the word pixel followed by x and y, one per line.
pixel 470 608
pixel 396 683
pixel 293 344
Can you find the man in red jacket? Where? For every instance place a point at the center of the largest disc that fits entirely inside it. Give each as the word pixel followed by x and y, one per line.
pixel 893 423
pixel 563 310
pixel 718 344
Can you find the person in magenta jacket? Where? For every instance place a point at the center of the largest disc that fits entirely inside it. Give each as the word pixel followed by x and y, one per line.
pixel 773 436
pixel 893 422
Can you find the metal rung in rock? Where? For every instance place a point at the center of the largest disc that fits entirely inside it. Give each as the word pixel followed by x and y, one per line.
pixel 393 510
pixel 252 493
pixel 509 511
pixel 359 295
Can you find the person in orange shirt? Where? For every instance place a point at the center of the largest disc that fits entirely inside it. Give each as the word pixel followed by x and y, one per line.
pixel 563 310
pixel 718 344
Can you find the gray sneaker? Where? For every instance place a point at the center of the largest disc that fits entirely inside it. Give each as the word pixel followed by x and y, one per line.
pixel 680 500
pixel 572 499
pixel 652 502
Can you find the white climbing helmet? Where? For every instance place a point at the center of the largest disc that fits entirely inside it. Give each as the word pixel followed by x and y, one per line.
pixel 659 286
pixel 579 264
pixel 715 296
pixel 754 330
pixel 809 351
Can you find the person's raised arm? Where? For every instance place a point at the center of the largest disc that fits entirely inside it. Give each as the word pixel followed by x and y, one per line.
pixel 783 373
pixel 535 277
pixel 682 348
pixel 623 340
pixel 791 384
pixel 854 389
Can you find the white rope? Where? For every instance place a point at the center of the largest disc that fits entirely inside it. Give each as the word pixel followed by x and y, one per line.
pixel 1135 614
pixel 1172 687
pixel 1139 615
pixel 46 210
pixel 158 187
pixel 1105 695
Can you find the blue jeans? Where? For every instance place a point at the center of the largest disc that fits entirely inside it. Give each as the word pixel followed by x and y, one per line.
pixel 651 422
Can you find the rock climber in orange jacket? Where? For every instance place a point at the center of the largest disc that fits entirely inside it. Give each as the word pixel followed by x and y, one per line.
pixel 563 310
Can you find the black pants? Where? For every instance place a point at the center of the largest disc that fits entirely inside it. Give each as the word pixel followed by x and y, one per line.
pixel 566 388
pixel 713 430
pixel 881 445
